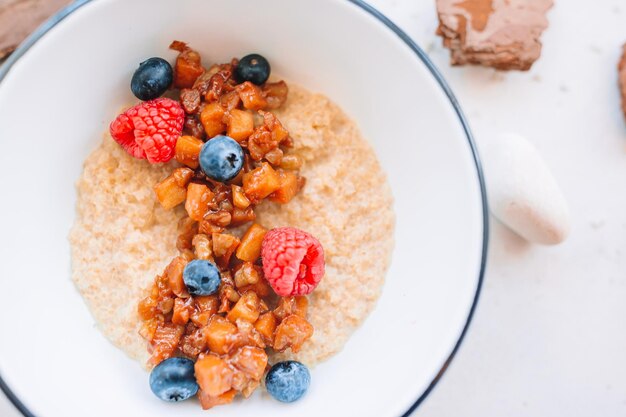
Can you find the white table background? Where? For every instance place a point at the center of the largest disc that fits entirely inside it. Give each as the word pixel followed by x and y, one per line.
pixel 549 334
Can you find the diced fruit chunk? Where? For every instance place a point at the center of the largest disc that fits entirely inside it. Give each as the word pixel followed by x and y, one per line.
pixel 199 197
pixel 188 65
pixel 211 117
pixel 266 325
pixel 251 361
pixel 250 247
pixel 251 96
pixel 292 332
pixel 207 401
pixel 260 182
pixel 220 334
pixel 241 216
pixel 240 124
pixel 291 161
pixel 174 274
pixel 291 305
pixel 206 303
pixel 206 306
pixel 165 341
pixel 274 157
pixel 146 308
pixel 213 374
pixel 247 308
pixel 288 187
pixel 173 190
pixel 183 307
pixel 187 151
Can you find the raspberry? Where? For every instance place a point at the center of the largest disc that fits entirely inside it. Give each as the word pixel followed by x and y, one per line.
pixel 150 129
pixel 293 261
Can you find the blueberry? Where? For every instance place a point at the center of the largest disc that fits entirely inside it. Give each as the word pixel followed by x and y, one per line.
pixel 288 381
pixel 253 68
pixel 152 79
pixel 173 380
pixel 221 158
pixel 201 277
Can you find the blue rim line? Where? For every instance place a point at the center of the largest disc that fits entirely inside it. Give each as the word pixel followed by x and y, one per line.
pixel 62 14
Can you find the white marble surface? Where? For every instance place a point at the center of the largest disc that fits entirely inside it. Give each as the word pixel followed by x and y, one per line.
pixel 548 337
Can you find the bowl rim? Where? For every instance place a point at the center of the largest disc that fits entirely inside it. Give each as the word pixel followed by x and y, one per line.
pixel 66 11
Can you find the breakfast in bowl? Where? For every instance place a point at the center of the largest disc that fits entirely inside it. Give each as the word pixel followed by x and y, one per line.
pixel 232 230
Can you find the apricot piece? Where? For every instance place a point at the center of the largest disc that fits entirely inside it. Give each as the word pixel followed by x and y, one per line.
pixel 148 329
pixel 275 156
pixel 207 401
pixel 241 216
pixel 206 306
pixel 200 319
pixel 199 196
pixel 174 274
pixel 251 96
pixel 173 190
pixel 165 341
pixel 147 307
pixel 183 307
pixel 260 182
pixel 211 117
pixel 220 334
pixel 240 124
pixel 187 151
pixel 265 326
pixel 292 332
pixel 247 308
pixel 288 189
pixel 249 389
pixel 291 305
pixel 206 303
pixel 188 65
pixel 213 374
pixel 291 161
pixel 251 361
pixel 250 247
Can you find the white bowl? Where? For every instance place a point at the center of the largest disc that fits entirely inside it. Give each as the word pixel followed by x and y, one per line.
pixel 58 94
